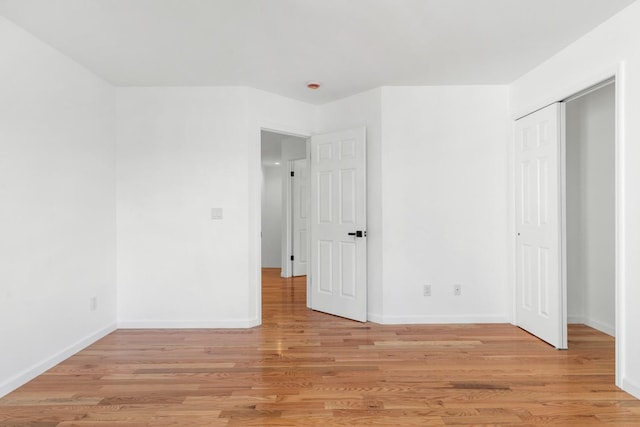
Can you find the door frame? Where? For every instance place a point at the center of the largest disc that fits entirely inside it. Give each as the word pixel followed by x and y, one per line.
pixel 255 211
pixel 615 72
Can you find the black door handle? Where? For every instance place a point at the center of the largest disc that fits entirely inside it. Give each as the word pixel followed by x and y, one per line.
pixel 358 233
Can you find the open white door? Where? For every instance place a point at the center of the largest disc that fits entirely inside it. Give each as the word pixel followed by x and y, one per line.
pixel 540 286
pixel 338 224
pixel 299 214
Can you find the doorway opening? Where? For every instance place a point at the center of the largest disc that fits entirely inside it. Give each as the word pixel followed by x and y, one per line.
pixel 590 196
pixel 335 217
pixel 283 203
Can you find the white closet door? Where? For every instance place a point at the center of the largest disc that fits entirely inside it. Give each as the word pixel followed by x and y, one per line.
pixel 540 288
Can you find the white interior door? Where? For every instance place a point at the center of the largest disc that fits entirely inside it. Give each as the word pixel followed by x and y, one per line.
pixel 540 285
pixel 300 215
pixel 338 224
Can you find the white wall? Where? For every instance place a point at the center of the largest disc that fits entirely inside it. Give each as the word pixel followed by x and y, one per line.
pixel 364 110
pixel 611 47
pixel 575 257
pixel 57 221
pixel 293 148
pixel 429 222
pixel 445 212
pixel 150 118
pixel 590 209
pixel 182 152
pixel 272 216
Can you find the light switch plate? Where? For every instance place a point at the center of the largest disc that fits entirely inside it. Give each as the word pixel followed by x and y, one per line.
pixel 216 213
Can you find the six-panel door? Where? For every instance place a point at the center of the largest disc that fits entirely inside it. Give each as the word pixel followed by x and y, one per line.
pixel 539 286
pixel 338 213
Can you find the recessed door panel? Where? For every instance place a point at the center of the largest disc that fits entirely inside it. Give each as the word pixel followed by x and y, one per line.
pixel 543 282
pixel 347 149
pixel 527 261
pixel 325 267
pixel 544 134
pixel 529 139
pixel 324 196
pixel 348 196
pixel 543 191
pixel 348 252
pixel 525 193
pixel 303 203
pixel 302 242
pixel 325 152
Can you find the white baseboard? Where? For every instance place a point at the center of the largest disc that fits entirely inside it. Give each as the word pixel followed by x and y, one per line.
pixel 600 326
pixel 46 364
pixel 375 318
pixel 435 320
pixel 631 387
pixel 189 324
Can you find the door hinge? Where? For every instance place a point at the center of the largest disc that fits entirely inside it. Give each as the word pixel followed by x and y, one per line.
pixel 291 257
pixel 292 173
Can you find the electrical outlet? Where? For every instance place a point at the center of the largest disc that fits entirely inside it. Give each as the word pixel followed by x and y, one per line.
pixel 427 290
pixel 93 303
pixel 457 290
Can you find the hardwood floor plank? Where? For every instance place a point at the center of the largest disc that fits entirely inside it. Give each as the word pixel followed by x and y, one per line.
pixel 304 368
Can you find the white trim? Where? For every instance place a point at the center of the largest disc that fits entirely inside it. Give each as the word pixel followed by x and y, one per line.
pixel 591 89
pixel 600 326
pixel 375 318
pixel 284 130
pixel 255 221
pixel 39 368
pixel 590 80
pixel 631 387
pixel 512 226
pixel 435 319
pixel 309 278
pixel 562 194
pixel 619 147
pixel 595 324
pixel 189 324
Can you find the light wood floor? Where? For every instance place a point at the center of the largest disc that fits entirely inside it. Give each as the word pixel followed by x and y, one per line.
pixel 303 368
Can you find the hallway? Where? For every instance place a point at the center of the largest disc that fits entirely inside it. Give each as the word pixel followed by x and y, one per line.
pixel 304 368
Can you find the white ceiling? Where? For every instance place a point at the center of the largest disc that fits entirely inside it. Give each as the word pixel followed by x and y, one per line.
pixel 278 45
